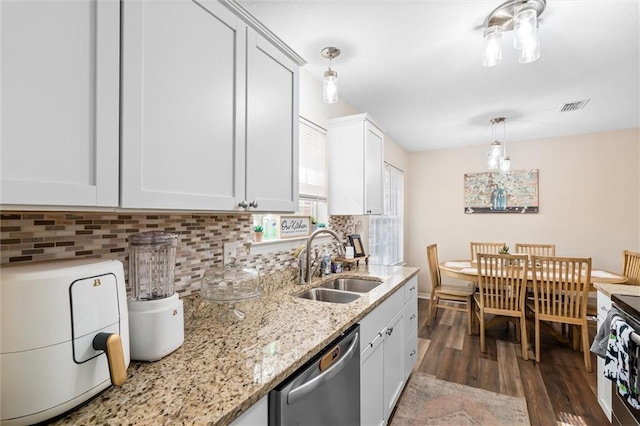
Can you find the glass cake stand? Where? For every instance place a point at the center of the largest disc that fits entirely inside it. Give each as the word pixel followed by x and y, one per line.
pixel 229 285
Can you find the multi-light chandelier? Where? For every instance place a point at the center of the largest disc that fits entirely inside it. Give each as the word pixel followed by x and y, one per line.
pixel 521 16
pixel 497 158
pixel 330 85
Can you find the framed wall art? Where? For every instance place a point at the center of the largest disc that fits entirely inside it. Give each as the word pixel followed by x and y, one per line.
pixel 514 191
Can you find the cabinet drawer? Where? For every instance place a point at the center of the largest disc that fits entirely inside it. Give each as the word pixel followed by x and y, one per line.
pixel 410 353
pixel 377 319
pixel 604 304
pixel 410 318
pixel 410 289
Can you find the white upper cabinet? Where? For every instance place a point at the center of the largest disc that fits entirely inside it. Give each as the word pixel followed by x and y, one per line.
pixel 356 179
pixel 272 127
pixel 181 137
pixel 59 103
pixel 207 105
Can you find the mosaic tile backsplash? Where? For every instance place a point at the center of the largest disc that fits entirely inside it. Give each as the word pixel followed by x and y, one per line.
pixel 35 236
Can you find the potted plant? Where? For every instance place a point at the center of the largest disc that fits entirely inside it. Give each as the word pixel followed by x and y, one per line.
pixel 258 229
pixel 504 250
pixel 321 225
pixel 314 223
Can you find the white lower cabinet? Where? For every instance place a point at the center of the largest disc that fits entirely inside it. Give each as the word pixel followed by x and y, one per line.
pixel 604 384
pixel 372 383
pixel 257 415
pixel 386 336
pixel 393 362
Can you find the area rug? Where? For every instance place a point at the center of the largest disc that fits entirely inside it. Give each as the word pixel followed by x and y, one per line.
pixel 429 401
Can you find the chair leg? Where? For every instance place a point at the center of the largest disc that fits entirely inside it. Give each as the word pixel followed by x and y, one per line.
pixel 575 337
pixel 537 333
pixel 585 347
pixel 434 310
pixel 482 342
pixel 429 310
pixel 524 341
pixel 469 314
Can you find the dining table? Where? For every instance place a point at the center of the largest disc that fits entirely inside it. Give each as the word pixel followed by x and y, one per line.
pixel 467 270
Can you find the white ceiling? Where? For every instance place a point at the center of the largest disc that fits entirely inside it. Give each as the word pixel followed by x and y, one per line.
pixel 416 66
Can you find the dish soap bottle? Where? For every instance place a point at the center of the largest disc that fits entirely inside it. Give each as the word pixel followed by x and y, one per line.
pixel 326 264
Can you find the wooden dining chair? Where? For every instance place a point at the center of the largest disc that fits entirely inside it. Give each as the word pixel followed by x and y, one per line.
pixel 560 291
pixel 502 281
pixel 631 267
pixel 488 248
pixel 535 249
pixel 459 294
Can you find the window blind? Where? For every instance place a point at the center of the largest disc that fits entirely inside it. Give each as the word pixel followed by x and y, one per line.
pixel 312 161
pixel 386 236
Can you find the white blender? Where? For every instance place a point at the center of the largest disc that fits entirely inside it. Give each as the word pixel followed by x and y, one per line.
pixel 156 316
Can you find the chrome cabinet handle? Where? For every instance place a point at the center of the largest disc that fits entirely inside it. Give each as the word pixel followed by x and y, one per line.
pixel 253 204
pixel 412 288
pixel 412 316
pixel 368 211
pixel 243 204
pixel 389 331
pixel 413 352
pixel 602 308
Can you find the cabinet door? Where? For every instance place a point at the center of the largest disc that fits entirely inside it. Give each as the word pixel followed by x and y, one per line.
pixel 59 103
pixel 182 112
pixel 372 384
pixel 393 362
pixel 373 170
pixel 272 127
pixel 604 384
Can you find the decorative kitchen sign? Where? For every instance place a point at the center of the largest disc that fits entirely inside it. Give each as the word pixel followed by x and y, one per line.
pixel 294 226
pixel 515 191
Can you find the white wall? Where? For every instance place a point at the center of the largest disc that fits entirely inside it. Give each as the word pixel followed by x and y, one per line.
pixel 589 199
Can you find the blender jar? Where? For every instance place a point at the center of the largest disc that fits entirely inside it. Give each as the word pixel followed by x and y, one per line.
pixel 152 257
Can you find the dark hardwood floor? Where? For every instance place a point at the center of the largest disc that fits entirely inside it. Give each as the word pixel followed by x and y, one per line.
pixel 558 390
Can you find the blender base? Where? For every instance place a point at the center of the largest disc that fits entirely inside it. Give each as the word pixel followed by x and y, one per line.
pixel 156 327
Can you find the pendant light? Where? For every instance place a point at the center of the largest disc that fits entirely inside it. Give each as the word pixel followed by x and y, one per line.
pixel 521 16
pixel 330 83
pixel 497 158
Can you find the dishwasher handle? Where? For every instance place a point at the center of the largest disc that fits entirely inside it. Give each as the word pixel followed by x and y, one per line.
pixel 300 391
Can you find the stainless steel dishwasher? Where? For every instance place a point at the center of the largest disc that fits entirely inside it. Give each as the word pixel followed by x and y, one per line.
pixel 324 391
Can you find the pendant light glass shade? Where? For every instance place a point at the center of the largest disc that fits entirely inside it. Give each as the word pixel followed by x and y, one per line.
pixel 330 87
pixel 505 164
pixel 529 52
pixel 525 27
pixel 492 51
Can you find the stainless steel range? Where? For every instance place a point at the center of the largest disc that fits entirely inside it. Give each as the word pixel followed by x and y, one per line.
pixel 629 308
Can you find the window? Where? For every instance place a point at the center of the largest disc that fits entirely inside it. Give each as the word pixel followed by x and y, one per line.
pixel 386 236
pixel 312 180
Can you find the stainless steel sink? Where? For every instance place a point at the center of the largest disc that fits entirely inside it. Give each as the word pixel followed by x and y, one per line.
pixel 351 284
pixel 325 295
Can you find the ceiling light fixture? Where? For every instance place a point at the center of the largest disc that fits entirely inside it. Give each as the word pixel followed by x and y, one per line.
pixel 497 158
pixel 330 85
pixel 521 16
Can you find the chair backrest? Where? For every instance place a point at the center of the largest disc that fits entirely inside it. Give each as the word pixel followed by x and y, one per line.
pixel 561 287
pixel 502 280
pixel 631 267
pixel 434 269
pixel 488 248
pixel 536 249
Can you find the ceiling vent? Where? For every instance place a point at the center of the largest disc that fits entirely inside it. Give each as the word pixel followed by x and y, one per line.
pixel 573 106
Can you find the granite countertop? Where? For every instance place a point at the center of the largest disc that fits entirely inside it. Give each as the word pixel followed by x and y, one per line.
pixel 609 289
pixel 223 369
